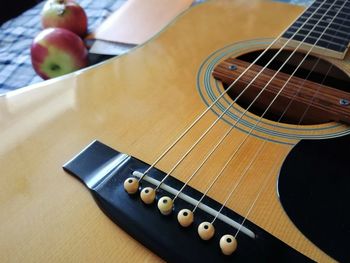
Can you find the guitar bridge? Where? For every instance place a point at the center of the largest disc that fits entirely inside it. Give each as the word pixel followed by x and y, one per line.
pixel 103 170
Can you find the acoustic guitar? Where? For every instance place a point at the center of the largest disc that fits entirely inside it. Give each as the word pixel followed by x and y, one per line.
pixel 224 138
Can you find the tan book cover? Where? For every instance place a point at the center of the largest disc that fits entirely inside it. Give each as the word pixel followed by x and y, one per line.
pixel 138 20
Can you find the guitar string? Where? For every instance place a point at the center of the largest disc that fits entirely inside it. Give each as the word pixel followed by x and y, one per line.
pixel 234 125
pixel 324 77
pixel 259 150
pixel 252 159
pixel 228 197
pixel 241 143
pixel 231 157
pixel 200 116
pixel 231 104
pixel 314 96
pixel 243 174
pixel 300 121
pixel 233 154
pixel 276 166
pixel 322 81
pixel 262 188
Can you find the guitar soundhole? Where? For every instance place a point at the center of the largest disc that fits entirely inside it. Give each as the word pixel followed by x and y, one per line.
pixel 289 110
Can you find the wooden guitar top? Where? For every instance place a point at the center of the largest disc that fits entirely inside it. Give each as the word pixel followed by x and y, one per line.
pixel 137 103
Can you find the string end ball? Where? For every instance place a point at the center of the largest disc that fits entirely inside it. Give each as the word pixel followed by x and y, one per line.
pixel 206 230
pixel 228 244
pixel 165 205
pixel 131 185
pixel 148 194
pixel 185 217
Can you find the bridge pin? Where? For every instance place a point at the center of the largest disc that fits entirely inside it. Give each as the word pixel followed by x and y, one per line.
pixel 185 217
pixel 148 195
pixel 206 230
pixel 165 205
pixel 131 185
pixel 228 244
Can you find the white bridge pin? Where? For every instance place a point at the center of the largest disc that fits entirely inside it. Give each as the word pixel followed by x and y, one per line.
pixel 206 230
pixel 131 185
pixel 165 205
pixel 228 244
pixel 185 217
pixel 148 195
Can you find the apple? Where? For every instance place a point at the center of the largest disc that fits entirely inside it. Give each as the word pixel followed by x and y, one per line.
pixel 64 14
pixel 57 51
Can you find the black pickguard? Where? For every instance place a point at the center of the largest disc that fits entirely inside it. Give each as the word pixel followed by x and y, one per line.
pixel 163 234
pixel 314 188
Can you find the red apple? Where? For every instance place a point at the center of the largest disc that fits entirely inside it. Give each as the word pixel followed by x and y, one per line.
pixel 64 14
pixel 57 51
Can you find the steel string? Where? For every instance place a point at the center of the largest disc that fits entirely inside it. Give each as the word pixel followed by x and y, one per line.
pixel 231 104
pixel 271 173
pixel 217 99
pixel 237 121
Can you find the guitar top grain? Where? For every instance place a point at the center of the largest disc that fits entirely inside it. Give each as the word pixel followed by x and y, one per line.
pixel 137 103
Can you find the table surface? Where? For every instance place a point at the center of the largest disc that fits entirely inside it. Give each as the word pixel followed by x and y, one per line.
pixel 16 36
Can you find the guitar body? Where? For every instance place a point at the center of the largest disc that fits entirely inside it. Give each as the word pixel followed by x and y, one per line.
pixel 138 103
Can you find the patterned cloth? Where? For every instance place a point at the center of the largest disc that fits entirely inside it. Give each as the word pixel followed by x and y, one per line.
pixel 16 36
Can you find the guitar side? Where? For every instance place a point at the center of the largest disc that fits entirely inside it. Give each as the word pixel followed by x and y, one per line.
pixel 137 103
